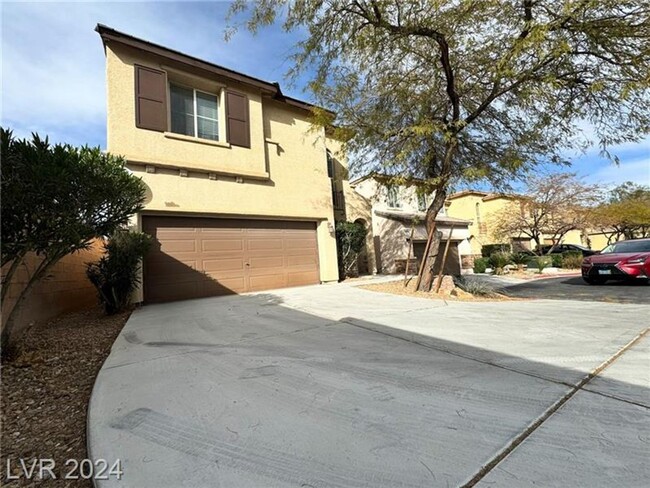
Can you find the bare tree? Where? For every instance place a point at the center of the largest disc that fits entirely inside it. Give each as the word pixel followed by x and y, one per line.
pixel 551 207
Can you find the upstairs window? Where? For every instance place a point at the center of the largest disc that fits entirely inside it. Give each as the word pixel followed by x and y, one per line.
pixel 194 113
pixel 422 202
pixel 392 197
pixel 330 164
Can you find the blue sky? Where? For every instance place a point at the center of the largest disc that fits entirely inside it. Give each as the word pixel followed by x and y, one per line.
pixel 53 68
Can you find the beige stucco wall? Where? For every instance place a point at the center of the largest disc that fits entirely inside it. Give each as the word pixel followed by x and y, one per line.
pixel 66 289
pixel 390 235
pixel 282 176
pixel 357 208
pixel 482 233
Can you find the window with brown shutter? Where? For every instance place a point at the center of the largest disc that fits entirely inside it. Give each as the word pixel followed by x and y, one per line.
pixel 237 122
pixel 150 99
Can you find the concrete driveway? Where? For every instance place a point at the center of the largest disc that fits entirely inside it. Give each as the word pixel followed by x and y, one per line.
pixel 574 288
pixel 334 386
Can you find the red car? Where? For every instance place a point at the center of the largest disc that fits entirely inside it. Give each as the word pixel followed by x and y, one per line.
pixel 624 260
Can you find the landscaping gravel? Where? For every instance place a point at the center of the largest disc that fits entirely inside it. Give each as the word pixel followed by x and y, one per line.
pixel 45 394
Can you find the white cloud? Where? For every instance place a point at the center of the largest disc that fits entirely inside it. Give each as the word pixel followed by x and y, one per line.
pixel 53 72
pixel 635 170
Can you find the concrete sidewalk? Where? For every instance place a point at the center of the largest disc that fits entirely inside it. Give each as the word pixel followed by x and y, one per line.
pixel 339 386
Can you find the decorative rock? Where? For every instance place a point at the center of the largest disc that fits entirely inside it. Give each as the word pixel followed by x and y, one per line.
pixel 447 285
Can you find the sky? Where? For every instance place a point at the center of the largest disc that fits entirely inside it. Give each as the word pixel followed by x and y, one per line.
pixel 53 76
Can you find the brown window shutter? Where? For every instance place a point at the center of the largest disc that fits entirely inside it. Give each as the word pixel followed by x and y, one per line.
pixel 237 121
pixel 150 99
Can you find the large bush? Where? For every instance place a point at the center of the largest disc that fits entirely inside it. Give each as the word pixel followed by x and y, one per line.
pixel 116 275
pixel 55 200
pixel 572 259
pixel 481 264
pixel 556 260
pixel 489 249
pixel 350 240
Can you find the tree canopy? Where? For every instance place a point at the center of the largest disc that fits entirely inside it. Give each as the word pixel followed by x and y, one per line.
pixel 626 213
pixel 55 200
pixel 451 90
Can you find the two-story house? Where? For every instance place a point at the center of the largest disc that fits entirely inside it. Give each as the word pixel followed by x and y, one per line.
pixel 238 193
pixel 397 213
pixel 481 208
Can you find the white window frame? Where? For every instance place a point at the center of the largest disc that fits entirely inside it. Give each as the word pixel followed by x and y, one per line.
pixel 196 112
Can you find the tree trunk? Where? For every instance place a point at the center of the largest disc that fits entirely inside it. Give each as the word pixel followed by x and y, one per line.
pixel 9 338
pixel 430 259
pixel 7 278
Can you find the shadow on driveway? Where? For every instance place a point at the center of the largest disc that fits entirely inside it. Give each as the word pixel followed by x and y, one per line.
pixel 247 391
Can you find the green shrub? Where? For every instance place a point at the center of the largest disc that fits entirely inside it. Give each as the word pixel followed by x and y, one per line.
pixel 350 241
pixel 556 260
pixel 489 249
pixel 481 264
pixel 115 275
pixel 473 286
pixel 542 262
pixel 499 260
pixel 571 259
pixel 520 259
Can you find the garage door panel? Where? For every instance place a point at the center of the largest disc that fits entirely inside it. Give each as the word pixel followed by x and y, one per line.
pixel 222 245
pixel 302 260
pixel 300 243
pixel 267 282
pixel 223 286
pixel 264 244
pixel 302 278
pixel 198 257
pixel 260 264
pixel 175 246
pixel 223 265
pixel 163 265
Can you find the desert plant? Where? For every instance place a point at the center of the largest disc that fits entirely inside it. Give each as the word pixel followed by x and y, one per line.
pixel 572 259
pixel 116 274
pixel 543 262
pixel 520 259
pixel 481 264
pixel 498 261
pixel 56 199
pixel 350 240
pixel 474 286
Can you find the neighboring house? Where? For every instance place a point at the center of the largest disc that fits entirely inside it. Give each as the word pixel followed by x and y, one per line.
pixel 480 208
pixel 397 212
pixel 349 205
pixel 238 195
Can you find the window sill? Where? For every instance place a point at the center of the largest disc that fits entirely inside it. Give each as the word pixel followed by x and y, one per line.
pixel 209 142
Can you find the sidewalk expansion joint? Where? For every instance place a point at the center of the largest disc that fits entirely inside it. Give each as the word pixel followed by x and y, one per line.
pixel 510 447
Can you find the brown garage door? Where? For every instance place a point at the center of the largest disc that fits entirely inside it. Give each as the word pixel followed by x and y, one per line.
pixel 200 257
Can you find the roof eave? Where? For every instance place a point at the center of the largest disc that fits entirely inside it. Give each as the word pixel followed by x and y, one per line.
pixel 108 34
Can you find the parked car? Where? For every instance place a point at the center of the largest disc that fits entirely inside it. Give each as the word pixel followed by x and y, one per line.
pixel 624 260
pixel 560 248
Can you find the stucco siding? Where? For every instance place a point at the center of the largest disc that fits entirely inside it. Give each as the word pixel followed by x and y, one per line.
pixel 283 175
